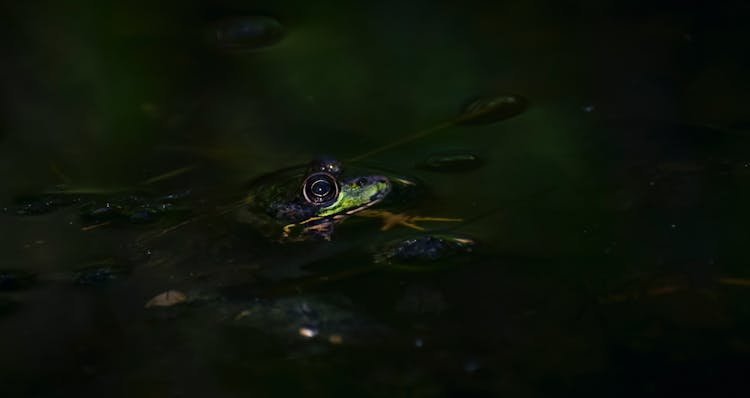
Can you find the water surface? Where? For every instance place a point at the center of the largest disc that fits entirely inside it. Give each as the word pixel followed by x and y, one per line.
pixel 611 249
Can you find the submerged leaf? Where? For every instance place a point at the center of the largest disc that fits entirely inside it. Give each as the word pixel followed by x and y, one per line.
pixel 168 175
pixel 735 281
pixel 167 299
pixel 455 162
pixel 487 110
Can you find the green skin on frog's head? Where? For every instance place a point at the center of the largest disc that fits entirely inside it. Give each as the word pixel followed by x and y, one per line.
pixel 325 201
pixel 356 195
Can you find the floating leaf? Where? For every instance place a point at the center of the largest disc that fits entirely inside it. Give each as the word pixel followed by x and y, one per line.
pixel 43 203
pixel 423 252
pixel 487 110
pixel 167 299
pixel 130 208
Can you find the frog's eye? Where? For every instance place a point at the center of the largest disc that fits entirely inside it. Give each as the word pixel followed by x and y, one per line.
pixel 320 188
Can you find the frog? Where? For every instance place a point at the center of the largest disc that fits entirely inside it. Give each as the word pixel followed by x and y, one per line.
pixel 303 203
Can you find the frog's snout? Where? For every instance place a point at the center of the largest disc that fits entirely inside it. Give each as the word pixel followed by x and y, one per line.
pixel 367 189
pixel 382 187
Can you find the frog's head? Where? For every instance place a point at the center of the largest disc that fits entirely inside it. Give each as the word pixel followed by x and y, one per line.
pixel 309 204
pixel 333 197
pixel 328 200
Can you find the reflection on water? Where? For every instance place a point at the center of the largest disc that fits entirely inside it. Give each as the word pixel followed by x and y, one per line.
pixel 583 236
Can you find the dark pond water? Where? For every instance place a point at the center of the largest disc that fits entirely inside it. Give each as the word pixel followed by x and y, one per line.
pixel 603 247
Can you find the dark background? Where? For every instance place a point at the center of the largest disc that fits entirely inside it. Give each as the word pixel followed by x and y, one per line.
pixel 625 277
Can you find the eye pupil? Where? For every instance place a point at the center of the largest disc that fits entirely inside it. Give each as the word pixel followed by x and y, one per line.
pixel 320 188
pixel 362 181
